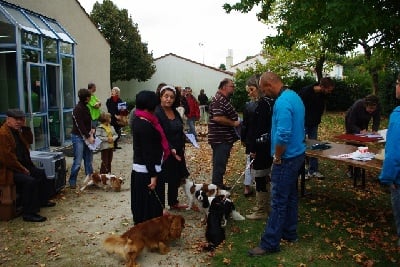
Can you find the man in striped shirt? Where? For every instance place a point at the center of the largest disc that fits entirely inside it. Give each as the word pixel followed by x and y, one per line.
pixel 221 130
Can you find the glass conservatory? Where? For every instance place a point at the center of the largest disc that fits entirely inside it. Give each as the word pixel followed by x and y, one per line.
pixel 37 73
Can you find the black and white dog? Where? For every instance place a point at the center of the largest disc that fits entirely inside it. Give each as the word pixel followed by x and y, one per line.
pixel 229 207
pixel 215 233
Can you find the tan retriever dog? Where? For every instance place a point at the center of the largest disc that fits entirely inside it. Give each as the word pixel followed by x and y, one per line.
pixel 153 234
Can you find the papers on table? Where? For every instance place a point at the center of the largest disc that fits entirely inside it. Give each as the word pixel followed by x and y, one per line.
pixel 357 155
pixel 377 136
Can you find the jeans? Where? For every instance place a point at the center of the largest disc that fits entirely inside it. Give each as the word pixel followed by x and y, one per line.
pixel 312 133
pixel 282 221
pixel 395 198
pixel 81 151
pixel 221 153
pixel 191 124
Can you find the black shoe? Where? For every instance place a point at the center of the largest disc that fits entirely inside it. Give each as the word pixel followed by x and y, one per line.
pixel 118 147
pixel 224 187
pixel 257 251
pixel 48 204
pixel 249 194
pixel 33 217
pixel 291 240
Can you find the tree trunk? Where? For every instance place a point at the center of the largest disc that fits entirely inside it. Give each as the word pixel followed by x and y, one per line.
pixel 372 70
pixel 319 66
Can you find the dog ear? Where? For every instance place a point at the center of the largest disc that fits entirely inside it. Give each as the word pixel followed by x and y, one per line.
pixel 177 225
pixel 211 192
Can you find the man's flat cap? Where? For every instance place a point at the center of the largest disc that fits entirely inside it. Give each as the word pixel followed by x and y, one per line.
pixel 15 113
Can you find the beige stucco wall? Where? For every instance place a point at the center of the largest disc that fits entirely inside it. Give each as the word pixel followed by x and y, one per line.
pixel 92 51
pixel 175 70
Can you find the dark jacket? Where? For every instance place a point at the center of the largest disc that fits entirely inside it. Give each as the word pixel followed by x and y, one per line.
pixel 357 118
pixel 203 99
pixel 262 125
pixel 112 108
pixel 247 132
pixel 314 104
pixel 175 136
pixel 82 121
pixel 147 145
pixel 8 157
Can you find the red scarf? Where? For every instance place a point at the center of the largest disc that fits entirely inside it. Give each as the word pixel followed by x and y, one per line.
pixel 154 121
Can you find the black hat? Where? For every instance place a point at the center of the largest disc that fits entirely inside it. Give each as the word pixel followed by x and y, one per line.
pixel 15 113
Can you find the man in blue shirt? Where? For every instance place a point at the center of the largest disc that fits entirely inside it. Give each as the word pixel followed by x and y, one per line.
pixel 390 174
pixel 288 150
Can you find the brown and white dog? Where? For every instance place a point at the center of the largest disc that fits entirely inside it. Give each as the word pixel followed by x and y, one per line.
pixel 153 234
pixel 103 180
pixel 191 187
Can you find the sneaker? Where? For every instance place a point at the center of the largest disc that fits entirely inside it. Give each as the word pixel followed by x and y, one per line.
pixel 318 175
pixel 308 176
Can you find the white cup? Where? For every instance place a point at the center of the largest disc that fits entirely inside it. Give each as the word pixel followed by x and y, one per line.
pixel 363 149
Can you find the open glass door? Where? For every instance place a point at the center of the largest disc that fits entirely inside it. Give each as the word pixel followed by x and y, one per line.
pixel 36 105
pixel 54 104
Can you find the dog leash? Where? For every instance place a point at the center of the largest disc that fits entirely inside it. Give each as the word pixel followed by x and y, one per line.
pixel 158 198
pixel 248 166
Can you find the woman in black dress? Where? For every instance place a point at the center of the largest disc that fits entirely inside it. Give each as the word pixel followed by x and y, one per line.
pixel 174 169
pixel 150 149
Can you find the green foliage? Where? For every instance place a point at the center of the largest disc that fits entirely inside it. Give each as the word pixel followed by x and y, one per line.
pixel 344 95
pixel 129 57
pixel 298 83
pixel 346 91
pixel 374 27
pixel 240 97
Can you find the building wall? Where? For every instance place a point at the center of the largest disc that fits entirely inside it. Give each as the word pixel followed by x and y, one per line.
pixel 92 51
pixel 177 71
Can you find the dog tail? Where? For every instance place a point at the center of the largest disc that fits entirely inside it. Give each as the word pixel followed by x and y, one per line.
pixel 115 244
pixel 236 216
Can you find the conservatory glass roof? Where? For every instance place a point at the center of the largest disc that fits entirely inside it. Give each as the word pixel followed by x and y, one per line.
pixel 34 22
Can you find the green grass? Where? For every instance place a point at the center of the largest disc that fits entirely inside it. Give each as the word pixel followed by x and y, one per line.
pixel 339 225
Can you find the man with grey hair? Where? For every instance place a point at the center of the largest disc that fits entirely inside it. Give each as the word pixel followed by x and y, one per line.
pixel 221 130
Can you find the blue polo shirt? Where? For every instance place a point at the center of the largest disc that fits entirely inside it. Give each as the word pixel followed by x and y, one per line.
pixel 288 124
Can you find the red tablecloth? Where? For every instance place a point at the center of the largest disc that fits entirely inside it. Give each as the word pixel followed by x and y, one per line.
pixel 359 138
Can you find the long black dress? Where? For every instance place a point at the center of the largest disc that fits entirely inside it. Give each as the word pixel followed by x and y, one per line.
pixel 146 204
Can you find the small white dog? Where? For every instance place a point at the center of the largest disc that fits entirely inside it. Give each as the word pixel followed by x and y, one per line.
pixel 103 180
pixel 190 189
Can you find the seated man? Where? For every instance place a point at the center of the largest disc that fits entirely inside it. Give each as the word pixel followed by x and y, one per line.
pixel 16 164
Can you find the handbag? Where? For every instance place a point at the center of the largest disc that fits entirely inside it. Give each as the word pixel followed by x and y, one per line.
pixel 97 140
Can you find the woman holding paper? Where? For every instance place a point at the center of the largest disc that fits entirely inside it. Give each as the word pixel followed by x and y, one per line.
pixel 174 169
pixel 117 108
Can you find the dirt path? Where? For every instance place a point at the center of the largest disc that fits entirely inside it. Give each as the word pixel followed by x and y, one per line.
pixel 77 226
